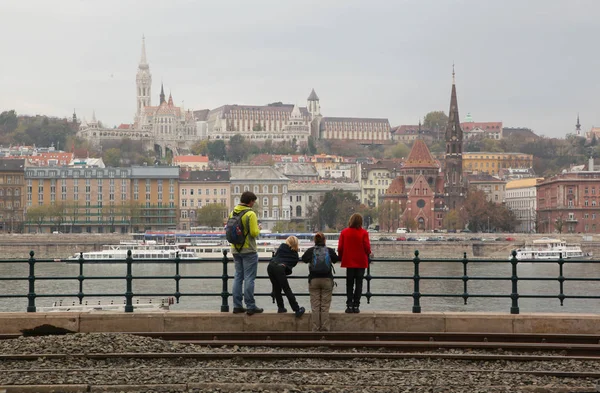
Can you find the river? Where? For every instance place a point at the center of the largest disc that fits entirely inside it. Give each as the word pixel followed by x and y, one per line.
pixel 381 284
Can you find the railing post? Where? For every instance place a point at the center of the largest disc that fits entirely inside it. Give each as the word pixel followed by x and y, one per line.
pixel 514 309
pixel 31 294
pixel 368 277
pixel 80 278
pixel 561 278
pixel 416 279
pixel 465 279
pixel 225 277
pixel 129 280
pixel 177 277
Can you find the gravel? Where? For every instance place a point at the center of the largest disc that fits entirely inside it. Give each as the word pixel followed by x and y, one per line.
pixel 193 375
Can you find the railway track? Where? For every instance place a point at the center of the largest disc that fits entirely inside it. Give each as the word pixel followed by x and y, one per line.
pixel 339 361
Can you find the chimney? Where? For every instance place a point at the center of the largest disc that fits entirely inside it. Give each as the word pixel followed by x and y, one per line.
pixel 591 164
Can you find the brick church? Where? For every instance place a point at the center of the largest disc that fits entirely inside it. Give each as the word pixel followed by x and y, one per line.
pixel 424 191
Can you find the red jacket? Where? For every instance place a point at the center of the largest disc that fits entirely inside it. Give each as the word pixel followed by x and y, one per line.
pixel 354 248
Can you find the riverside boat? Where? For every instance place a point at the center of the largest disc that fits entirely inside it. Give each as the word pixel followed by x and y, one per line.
pixel 139 256
pixel 548 249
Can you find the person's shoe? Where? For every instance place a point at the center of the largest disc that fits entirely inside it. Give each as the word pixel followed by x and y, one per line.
pixel 281 310
pixel 349 310
pixel 238 310
pixel 355 310
pixel 256 310
pixel 300 312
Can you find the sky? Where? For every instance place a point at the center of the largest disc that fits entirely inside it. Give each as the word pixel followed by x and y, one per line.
pixel 532 63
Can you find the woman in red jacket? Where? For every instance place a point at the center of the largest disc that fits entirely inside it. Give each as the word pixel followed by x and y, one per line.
pixel 354 249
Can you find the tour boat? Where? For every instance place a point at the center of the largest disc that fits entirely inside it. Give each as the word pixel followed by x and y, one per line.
pixel 550 250
pixel 143 255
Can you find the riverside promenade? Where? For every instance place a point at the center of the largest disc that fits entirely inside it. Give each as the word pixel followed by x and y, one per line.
pixel 191 321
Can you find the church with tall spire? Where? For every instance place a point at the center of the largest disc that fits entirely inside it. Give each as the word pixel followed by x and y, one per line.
pixel 161 128
pixel 455 189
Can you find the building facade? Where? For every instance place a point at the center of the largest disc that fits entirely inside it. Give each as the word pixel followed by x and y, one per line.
pixel 489 130
pixel 271 188
pixel 101 200
pixel 521 198
pixel 491 163
pixel 306 196
pixel 201 188
pixel 569 202
pixel 375 179
pixel 494 188
pixel 12 195
pixel 191 162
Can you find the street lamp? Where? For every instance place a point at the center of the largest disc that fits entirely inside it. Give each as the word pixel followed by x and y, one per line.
pixel 488 217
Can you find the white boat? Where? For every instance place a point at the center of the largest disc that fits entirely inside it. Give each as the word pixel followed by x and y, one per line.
pixel 548 249
pixel 139 255
pixel 214 249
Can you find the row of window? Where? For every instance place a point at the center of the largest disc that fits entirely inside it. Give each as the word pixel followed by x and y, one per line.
pixel 223 191
pixel 265 189
pixel 9 179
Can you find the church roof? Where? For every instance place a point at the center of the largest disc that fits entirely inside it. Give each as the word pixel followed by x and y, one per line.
pixel 420 157
pixel 396 187
pixel 313 96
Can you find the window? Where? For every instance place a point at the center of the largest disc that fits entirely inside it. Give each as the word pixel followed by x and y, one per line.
pixel 256 189
pixel 298 198
pixel 298 211
pixel 265 201
pixel 184 191
pixel 265 189
pixel 275 189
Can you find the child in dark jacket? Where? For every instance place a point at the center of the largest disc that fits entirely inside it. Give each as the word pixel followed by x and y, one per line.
pixel 279 268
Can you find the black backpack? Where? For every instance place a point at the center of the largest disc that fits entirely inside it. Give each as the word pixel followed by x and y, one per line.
pixel 321 261
pixel 234 230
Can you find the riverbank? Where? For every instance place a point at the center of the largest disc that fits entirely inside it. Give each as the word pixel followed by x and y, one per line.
pixel 65 245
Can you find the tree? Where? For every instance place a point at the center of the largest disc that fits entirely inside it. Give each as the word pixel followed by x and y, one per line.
pixel 559 224
pixel 312 146
pixel 337 207
pixel 8 121
pixel 390 215
pixel 57 215
pixel 217 150
pixel 476 207
pixel 452 220
pixel 37 215
pixel 435 121
pixel 211 215
pixel 112 157
pixel 200 148
pixel 400 150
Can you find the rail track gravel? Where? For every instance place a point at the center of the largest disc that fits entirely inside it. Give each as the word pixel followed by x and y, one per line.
pixel 133 363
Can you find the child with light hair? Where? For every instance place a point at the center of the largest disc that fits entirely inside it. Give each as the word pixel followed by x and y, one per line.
pixel 279 268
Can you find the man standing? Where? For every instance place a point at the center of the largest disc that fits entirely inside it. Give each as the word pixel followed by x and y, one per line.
pixel 245 256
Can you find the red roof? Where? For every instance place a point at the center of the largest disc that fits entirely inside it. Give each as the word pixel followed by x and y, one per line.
pixel 420 157
pixel 486 126
pixel 124 126
pixel 190 159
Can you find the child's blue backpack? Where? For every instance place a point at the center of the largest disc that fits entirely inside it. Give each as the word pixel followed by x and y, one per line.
pixel 321 262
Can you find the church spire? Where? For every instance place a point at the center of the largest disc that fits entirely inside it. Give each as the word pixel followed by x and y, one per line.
pixel 162 94
pixel 143 61
pixel 578 127
pixel 170 99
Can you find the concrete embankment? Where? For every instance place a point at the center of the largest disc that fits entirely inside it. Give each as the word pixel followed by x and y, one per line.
pixel 178 321
pixel 64 245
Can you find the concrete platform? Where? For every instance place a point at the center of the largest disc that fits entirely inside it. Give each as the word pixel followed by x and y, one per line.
pixel 180 321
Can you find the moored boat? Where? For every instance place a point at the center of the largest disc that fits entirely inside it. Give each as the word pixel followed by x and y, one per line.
pixel 548 249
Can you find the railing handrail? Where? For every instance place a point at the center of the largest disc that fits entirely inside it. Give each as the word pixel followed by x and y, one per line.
pixel 416 279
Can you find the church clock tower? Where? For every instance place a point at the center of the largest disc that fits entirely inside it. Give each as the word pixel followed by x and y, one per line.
pixel 143 82
pixel 454 184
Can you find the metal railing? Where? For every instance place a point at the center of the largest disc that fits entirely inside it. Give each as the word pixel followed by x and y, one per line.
pixel 225 261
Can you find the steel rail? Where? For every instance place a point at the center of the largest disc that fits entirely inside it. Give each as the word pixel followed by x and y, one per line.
pixel 320 370
pixel 295 355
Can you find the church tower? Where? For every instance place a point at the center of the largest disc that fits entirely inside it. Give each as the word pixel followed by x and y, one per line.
pixel 313 105
pixel 143 82
pixel 578 127
pixel 454 184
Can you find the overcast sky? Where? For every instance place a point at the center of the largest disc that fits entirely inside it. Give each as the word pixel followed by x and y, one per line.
pixel 533 63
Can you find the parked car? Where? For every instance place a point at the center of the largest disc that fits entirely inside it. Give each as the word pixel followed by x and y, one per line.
pixel 411 239
pixel 454 239
pixel 401 230
pixel 510 239
pixel 385 239
pixel 401 238
pixel 421 239
pixel 475 239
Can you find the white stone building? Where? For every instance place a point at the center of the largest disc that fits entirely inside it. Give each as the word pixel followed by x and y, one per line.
pixel 307 195
pixel 271 188
pixel 521 198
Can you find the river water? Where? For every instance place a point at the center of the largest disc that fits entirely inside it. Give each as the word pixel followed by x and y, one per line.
pixel 382 283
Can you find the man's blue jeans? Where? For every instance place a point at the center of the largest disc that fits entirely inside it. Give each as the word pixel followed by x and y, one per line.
pixel 246 266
